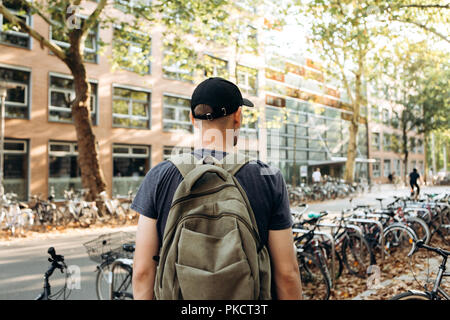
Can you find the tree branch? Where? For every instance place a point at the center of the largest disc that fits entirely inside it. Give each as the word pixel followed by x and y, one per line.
pixel 39 13
pixel 33 33
pixel 424 27
pixel 426 6
pixel 90 22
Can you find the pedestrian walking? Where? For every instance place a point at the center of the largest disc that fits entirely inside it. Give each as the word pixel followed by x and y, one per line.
pixel 209 227
pixel 316 176
pixel 413 178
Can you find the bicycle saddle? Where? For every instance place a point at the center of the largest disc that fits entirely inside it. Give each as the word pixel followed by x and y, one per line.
pixel 379 199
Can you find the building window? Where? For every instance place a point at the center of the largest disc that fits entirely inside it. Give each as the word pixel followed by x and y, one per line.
pixel 385 116
pixel 15 170
pixel 247 79
pixel 419 147
pixel 62 94
pixel 17 99
pixel 176 114
pixel 375 112
pixel 130 5
pixel 130 164
pixel 386 142
pixel 412 145
pixel 174 150
pixel 376 142
pixel 131 108
pixel 64 172
pixel 395 121
pixel 387 167
pixel 10 34
pixel 253 154
pixel 397 167
pixel 59 36
pixel 176 68
pixel 376 168
pixel 216 67
pixel 132 49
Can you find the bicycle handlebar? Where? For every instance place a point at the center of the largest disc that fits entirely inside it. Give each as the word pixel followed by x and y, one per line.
pixel 420 244
pixel 55 257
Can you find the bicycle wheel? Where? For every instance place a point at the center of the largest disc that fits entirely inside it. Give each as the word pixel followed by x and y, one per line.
pixel 411 296
pixel 121 288
pixel 357 255
pixel 399 238
pixel 315 285
pixel 420 227
pixel 338 264
pixel 102 281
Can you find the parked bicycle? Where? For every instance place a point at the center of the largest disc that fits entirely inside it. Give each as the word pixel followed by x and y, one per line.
pixel 56 263
pixel 436 293
pixel 114 253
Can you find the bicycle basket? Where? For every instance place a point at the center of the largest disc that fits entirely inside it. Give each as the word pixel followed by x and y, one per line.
pixel 109 245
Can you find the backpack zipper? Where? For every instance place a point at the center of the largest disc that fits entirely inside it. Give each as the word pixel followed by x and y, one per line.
pixel 200 194
pixel 196 215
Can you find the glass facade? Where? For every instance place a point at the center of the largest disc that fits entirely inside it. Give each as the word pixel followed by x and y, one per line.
pixel 307 122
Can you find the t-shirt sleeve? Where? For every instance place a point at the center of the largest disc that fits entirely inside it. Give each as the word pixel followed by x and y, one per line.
pixel 281 217
pixel 144 201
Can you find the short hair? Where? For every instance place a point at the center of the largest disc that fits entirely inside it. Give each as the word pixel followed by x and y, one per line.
pixel 202 109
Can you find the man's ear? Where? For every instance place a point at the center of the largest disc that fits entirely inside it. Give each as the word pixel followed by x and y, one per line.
pixel 237 118
pixel 192 118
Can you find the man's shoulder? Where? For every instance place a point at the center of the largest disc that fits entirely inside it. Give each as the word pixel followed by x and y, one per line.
pixel 258 169
pixel 161 169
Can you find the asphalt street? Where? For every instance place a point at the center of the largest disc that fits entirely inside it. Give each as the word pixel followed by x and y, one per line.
pixel 23 262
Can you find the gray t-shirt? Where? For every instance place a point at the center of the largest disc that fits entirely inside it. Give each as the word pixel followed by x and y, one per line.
pixel 266 193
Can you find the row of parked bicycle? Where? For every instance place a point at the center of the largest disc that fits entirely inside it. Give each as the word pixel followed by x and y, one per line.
pixel 361 238
pixel 17 217
pixel 355 241
pixel 330 189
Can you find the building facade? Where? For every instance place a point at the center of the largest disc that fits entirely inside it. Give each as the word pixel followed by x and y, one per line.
pixel 138 120
pixel 386 141
pixel 308 121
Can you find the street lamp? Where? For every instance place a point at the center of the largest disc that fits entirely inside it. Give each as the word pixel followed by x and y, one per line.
pixel 4 86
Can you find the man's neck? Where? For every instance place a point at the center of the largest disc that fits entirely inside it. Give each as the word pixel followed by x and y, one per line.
pixel 216 140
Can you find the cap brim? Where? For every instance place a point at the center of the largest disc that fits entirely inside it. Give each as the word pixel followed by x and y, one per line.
pixel 246 102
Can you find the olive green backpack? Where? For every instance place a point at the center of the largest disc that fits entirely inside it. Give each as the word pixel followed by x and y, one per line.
pixel 211 248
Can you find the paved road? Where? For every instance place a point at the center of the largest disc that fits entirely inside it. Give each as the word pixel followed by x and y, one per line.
pixel 24 261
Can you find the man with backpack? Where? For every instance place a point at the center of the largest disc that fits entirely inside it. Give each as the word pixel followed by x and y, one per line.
pixel 213 224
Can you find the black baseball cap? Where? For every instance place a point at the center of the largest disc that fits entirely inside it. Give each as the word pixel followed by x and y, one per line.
pixel 223 96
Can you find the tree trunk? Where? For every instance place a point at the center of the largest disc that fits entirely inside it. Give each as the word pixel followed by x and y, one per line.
pixel 349 174
pixel 405 153
pixel 351 154
pixel 426 165
pixel 88 152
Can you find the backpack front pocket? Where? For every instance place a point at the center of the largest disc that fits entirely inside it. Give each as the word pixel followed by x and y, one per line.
pixel 233 282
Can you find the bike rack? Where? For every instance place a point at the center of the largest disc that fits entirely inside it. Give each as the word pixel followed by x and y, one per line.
pixel 369 221
pixel 333 252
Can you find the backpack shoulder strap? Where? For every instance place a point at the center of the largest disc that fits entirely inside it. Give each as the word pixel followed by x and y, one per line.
pixel 185 162
pixel 233 162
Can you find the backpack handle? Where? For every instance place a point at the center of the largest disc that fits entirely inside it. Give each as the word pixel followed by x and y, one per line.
pixel 198 173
